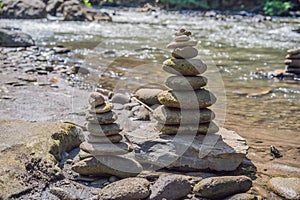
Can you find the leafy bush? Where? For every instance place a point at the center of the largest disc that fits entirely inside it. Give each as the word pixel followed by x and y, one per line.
pixel 276 7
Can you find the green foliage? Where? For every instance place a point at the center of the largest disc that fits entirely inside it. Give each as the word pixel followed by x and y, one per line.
pixel 276 7
pixel 1 4
pixel 87 3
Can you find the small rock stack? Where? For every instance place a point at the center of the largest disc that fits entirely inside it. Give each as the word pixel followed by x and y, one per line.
pixel 103 142
pixel 104 136
pixel 293 61
pixel 184 107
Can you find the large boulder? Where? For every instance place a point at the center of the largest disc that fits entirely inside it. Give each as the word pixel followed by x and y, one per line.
pixel 30 153
pixel 23 9
pixel 12 38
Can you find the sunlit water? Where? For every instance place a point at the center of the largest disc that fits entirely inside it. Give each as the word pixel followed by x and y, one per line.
pixel 128 52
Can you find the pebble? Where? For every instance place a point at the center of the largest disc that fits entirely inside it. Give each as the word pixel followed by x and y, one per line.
pixel 147 95
pixel 96 99
pixel 120 98
pixel 185 67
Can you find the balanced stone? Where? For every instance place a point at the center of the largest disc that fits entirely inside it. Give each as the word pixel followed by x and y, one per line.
pixel 186 82
pixel 101 109
pixel 96 99
pixel 293 56
pixel 185 53
pixel 183 32
pixel 103 130
pixel 293 62
pixel 295 70
pixel 104 118
pixel 103 139
pixel 97 149
pixel 187 99
pixel 107 166
pixel 182 38
pixel 174 45
pixel 294 51
pixel 205 128
pixel 172 116
pixel 186 67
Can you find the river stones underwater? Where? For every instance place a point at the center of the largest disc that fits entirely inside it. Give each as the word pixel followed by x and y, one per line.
pixel 293 61
pixel 104 140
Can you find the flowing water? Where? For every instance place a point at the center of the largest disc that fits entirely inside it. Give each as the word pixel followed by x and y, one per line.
pixel 127 53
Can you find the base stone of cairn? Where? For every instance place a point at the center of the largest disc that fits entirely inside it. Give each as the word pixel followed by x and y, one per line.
pixel 185 136
pixel 103 142
pixel 293 61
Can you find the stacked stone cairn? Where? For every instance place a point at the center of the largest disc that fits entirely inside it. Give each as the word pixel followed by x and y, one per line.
pixel 103 142
pixel 293 61
pixel 184 107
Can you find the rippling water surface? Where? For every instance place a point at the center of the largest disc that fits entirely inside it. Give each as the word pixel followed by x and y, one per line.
pixel 128 53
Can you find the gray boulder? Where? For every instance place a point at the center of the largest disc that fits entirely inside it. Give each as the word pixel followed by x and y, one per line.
pixel 12 38
pixel 23 9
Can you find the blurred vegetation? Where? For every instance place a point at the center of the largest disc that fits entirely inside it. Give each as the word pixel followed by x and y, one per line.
pixel 1 4
pixel 87 3
pixel 268 7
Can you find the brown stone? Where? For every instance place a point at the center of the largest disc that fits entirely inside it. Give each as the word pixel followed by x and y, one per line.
pixel 293 56
pixel 293 51
pixel 292 62
pixel 101 109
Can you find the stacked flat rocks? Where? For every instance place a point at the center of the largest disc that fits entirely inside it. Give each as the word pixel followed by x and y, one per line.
pixel 103 142
pixel 293 61
pixel 184 107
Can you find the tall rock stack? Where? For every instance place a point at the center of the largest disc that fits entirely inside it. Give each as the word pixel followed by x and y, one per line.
pixel 184 107
pixel 104 142
pixel 293 61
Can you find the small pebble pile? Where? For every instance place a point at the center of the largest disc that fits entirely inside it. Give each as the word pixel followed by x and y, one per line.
pixel 104 136
pixel 184 107
pixel 293 61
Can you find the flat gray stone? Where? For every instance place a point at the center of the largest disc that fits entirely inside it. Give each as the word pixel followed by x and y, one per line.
pixel 170 187
pixel 97 149
pixel 104 129
pixel 103 139
pixel 222 151
pixel 104 118
pixel 108 166
pixel 221 187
